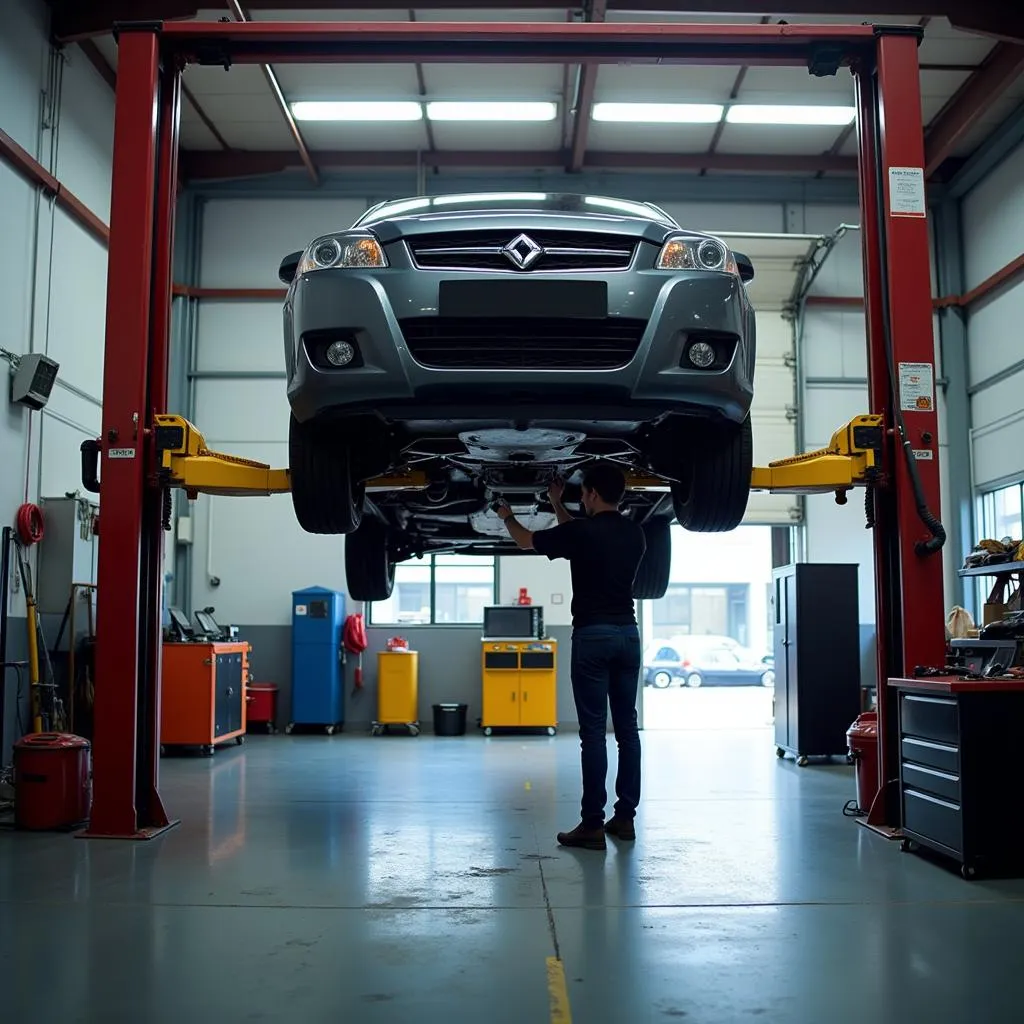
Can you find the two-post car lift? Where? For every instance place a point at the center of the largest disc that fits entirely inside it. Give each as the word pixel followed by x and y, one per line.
pixel 143 451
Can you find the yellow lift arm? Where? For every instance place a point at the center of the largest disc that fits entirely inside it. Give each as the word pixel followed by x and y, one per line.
pixel 852 459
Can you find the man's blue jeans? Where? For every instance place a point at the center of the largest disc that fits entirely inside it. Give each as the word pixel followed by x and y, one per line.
pixel 606 671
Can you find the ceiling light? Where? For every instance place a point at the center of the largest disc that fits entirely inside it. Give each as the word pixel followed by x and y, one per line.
pixel 357 110
pixel 659 113
pixel 757 113
pixel 492 111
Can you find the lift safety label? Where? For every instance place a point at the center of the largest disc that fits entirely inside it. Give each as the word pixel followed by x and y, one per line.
pixel 120 453
pixel 926 454
pixel 906 192
pixel 917 387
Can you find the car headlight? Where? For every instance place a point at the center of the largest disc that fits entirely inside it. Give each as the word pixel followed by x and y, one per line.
pixel 352 252
pixel 683 253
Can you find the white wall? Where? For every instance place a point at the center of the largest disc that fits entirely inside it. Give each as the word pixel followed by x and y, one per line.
pixel 258 552
pixel 993 224
pixel 52 273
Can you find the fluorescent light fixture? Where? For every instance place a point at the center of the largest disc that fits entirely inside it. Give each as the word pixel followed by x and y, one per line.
pixel 502 110
pixel 757 113
pixel 659 113
pixel 492 197
pixel 357 110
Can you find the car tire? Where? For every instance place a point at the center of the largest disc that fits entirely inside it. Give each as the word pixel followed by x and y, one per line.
pixel 369 567
pixel 712 496
pixel 651 581
pixel 661 680
pixel 325 494
pixel 768 679
pixel 694 680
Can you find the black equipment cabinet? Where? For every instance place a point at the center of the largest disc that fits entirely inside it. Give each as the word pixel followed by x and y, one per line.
pixel 230 693
pixel 959 769
pixel 817 659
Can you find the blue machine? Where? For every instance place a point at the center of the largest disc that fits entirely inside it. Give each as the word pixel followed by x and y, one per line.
pixel 318 683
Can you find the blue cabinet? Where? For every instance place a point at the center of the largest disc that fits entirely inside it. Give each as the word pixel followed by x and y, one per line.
pixel 318 684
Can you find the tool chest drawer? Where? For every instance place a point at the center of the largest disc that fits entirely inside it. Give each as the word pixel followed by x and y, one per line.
pixel 929 718
pixel 932 781
pixel 939 820
pixel 943 756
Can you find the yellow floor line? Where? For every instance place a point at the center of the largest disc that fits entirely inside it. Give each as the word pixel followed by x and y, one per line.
pixel 558 993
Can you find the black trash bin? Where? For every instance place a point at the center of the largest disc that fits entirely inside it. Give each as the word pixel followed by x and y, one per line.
pixel 450 719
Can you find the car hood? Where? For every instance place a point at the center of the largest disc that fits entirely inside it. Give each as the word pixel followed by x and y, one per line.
pixel 515 221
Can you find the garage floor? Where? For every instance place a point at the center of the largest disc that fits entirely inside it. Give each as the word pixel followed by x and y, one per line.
pixel 401 879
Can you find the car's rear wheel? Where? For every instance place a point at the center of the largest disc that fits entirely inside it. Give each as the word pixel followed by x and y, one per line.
pixel 652 576
pixel 711 496
pixel 325 493
pixel 662 680
pixel 369 564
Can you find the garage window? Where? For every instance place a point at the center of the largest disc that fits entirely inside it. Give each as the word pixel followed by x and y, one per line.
pixel 439 590
pixel 999 516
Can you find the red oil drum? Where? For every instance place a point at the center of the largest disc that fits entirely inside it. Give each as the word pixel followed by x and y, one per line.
pixel 52 780
pixel 862 738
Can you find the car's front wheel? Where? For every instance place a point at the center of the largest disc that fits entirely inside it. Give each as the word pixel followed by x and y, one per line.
pixel 768 678
pixel 711 495
pixel 325 493
pixel 369 562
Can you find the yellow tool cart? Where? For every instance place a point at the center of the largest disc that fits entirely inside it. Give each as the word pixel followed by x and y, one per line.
pixel 397 692
pixel 519 688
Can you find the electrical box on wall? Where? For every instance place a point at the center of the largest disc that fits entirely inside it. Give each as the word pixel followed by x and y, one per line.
pixel 67 552
pixel 33 380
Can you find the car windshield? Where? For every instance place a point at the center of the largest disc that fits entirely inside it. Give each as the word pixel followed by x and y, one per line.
pixel 490 202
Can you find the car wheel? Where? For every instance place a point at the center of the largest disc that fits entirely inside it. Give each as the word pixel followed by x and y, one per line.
pixel 768 678
pixel 662 680
pixel 652 576
pixel 369 568
pixel 694 679
pixel 712 495
pixel 325 495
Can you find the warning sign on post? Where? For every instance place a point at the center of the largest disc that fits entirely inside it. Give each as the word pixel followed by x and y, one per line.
pixel 906 192
pixel 917 387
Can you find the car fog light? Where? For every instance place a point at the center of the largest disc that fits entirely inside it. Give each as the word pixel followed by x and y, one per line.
pixel 701 354
pixel 340 353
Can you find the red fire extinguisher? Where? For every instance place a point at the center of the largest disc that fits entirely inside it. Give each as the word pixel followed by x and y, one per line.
pixel 524 596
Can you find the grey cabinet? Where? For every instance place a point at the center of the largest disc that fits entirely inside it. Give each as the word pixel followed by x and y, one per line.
pixel 817 658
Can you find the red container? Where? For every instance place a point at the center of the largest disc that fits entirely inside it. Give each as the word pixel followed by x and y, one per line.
pixel 862 738
pixel 52 781
pixel 262 704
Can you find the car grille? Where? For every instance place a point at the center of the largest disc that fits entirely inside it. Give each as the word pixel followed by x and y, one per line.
pixel 522 343
pixel 484 250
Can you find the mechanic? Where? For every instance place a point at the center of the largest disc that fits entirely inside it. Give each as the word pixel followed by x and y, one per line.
pixel 604 552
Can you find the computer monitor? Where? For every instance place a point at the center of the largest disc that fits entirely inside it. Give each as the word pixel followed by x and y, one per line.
pixel 180 626
pixel 209 625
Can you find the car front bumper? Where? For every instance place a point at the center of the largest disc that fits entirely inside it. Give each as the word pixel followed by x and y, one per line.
pixel 387 379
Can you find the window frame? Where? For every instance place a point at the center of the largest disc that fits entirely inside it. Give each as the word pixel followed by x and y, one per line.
pixel 432 588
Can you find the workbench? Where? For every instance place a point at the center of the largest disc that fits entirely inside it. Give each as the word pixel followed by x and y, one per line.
pixel 960 767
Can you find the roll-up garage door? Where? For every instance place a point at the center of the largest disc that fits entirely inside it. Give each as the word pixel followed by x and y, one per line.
pixel 779 261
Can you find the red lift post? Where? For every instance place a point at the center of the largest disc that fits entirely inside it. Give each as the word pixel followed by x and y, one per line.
pixel 897 287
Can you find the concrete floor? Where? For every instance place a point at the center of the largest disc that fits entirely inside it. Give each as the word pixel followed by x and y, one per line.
pixel 395 879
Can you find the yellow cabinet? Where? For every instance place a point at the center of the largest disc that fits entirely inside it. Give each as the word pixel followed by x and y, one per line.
pixel 397 691
pixel 519 687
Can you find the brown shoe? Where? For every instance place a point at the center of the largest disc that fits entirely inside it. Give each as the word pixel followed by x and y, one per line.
pixel 620 828
pixel 583 838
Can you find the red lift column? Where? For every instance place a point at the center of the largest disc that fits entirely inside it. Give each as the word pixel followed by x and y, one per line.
pixel 126 803
pixel 901 361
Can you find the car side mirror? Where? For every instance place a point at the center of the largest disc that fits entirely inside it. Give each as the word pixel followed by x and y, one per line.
pixel 289 265
pixel 744 266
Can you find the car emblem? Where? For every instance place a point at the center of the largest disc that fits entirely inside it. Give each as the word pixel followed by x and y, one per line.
pixel 523 251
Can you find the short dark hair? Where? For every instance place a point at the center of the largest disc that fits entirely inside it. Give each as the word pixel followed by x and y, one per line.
pixel 608 480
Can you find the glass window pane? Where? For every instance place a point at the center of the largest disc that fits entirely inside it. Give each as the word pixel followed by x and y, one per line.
pixel 409 603
pixel 1007 513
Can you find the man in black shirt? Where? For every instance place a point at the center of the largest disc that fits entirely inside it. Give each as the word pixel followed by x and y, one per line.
pixel 604 552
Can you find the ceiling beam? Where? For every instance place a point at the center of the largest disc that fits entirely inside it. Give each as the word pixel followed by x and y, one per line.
pixel 198 165
pixel 75 20
pixel 204 117
pixel 421 84
pixel 269 74
pixel 586 83
pixel 92 54
pixel 997 72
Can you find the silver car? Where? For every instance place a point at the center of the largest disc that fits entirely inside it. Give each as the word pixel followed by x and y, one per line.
pixel 494 342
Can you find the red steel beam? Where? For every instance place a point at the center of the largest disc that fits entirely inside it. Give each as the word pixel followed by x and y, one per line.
pixel 480 43
pixel 126 372
pixel 25 165
pixel 190 292
pixel 997 73
pixel 209 165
